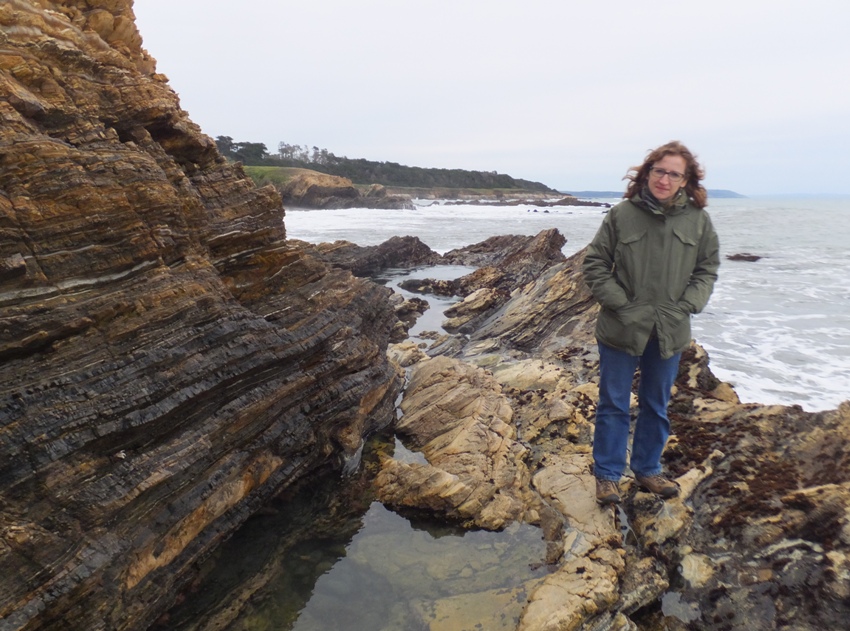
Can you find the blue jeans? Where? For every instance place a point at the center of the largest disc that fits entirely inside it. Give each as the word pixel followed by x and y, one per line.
pixel 611 435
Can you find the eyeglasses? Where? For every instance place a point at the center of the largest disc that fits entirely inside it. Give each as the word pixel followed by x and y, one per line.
pixel 674 177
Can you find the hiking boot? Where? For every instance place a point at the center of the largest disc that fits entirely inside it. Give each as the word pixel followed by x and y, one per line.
pixel 658 484
pixel 607 492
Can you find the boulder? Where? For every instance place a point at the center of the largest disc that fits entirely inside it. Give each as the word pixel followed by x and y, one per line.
pixel 456 415
pixel 744 256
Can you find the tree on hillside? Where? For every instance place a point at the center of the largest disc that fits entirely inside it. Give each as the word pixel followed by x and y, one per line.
pixel 225 145
pixel 247 152
pixel 250 152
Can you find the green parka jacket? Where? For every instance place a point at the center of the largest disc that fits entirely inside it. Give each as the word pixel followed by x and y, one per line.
pixel 650 270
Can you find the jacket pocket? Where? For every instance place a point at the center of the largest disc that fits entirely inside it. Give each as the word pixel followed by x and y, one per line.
pixel 635 313
pixel 673 313
pixel 628 328
pixel 683 260
pixel 629 261
pixel 684 237
pixel 674 326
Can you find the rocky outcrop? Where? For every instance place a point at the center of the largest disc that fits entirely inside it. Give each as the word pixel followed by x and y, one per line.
pixel 758 539
pixel 311 189
pixel 505 263
pixel 371 260
pixel 569 200
pixel 457 416
pixel 168 360
pixel 744 256
pixel 466 195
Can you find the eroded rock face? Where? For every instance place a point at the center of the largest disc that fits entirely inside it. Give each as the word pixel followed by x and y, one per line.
pixel 759 537
pixel 311 189
pixel 168 360
pixel 458 417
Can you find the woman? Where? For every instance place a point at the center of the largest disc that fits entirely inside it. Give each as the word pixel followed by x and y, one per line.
pixel 651 265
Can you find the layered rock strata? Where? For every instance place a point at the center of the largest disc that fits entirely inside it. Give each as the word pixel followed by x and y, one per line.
pixel 168 360
pixel 371 260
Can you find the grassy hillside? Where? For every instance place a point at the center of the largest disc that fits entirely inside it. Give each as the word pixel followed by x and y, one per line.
pixel 260 165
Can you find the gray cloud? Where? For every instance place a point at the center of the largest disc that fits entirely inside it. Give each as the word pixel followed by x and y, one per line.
pixel 570 94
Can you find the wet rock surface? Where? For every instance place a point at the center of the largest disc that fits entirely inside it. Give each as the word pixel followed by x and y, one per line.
pixel 371 260
pixel 744 256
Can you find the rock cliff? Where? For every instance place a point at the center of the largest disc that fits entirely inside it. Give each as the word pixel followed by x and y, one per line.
pixel 168 361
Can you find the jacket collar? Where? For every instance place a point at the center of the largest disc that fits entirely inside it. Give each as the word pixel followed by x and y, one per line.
pixel 646 200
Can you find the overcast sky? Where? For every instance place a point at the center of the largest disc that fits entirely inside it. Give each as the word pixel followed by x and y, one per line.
pixel 567 93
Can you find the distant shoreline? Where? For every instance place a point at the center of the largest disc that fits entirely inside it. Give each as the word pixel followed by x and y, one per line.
pixel 716 193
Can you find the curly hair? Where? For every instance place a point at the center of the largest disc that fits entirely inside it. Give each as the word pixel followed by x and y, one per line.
pixel 694 173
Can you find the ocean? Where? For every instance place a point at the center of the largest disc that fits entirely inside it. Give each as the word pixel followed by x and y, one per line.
pixel 777 329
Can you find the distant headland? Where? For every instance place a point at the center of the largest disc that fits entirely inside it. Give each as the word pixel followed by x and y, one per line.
pixel 364 172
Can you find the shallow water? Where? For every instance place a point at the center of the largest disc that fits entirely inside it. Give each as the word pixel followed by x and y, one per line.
pixel 332 557
pixel 432 319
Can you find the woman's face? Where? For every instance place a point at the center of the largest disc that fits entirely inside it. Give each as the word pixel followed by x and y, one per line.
pixel 663 187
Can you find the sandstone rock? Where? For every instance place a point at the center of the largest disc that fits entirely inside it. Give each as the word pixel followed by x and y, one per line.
pixel 311 189
pixel 407 312
pixel 431 286
pixel 553 312
pixel 582 590
pixel 458 417
pixel 405 354
pixel 526 374
pixel 464 315
pixel 696 569
pixel 506 263
pixel 376 190
pixel 488 253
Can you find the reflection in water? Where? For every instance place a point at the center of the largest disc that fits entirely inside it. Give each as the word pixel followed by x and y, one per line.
pixel 433 318
pixel 331 557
